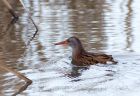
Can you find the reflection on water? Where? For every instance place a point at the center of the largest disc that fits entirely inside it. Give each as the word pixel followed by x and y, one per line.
pixel 76 71
pixel 102 25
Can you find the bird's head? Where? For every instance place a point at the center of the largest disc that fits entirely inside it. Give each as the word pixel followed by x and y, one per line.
pixel 72 42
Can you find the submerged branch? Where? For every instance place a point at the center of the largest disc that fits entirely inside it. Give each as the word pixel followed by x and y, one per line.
pixel 34 33
pixel 20 75
pixel 30 17
pixel 23 88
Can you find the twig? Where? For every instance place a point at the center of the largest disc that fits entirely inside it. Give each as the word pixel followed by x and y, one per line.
pixel 20 75
pixel 10 9
pixel 29 15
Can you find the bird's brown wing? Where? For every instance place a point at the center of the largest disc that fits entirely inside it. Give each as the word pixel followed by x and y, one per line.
pixel 88 59
pixel 102 58
pixel 85 59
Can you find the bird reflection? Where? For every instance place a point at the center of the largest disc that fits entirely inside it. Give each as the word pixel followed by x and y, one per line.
pixel 77 71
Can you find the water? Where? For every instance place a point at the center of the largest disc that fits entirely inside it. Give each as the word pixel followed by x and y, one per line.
pixel 108 26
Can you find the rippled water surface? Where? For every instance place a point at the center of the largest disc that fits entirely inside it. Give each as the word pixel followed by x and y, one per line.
pixel 108 26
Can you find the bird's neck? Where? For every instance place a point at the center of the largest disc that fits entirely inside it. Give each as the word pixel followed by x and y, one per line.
pixel 77 51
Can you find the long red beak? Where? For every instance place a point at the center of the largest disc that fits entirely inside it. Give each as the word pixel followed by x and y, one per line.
pixel 62 43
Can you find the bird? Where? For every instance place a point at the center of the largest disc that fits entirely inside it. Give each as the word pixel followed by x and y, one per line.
pixel 81 57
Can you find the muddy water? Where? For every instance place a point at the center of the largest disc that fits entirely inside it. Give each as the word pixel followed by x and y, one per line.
pixel 109 26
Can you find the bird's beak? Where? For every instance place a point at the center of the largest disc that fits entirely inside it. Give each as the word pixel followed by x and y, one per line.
pixel 62 43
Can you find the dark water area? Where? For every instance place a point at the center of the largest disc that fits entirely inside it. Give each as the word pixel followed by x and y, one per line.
pixel 106 26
